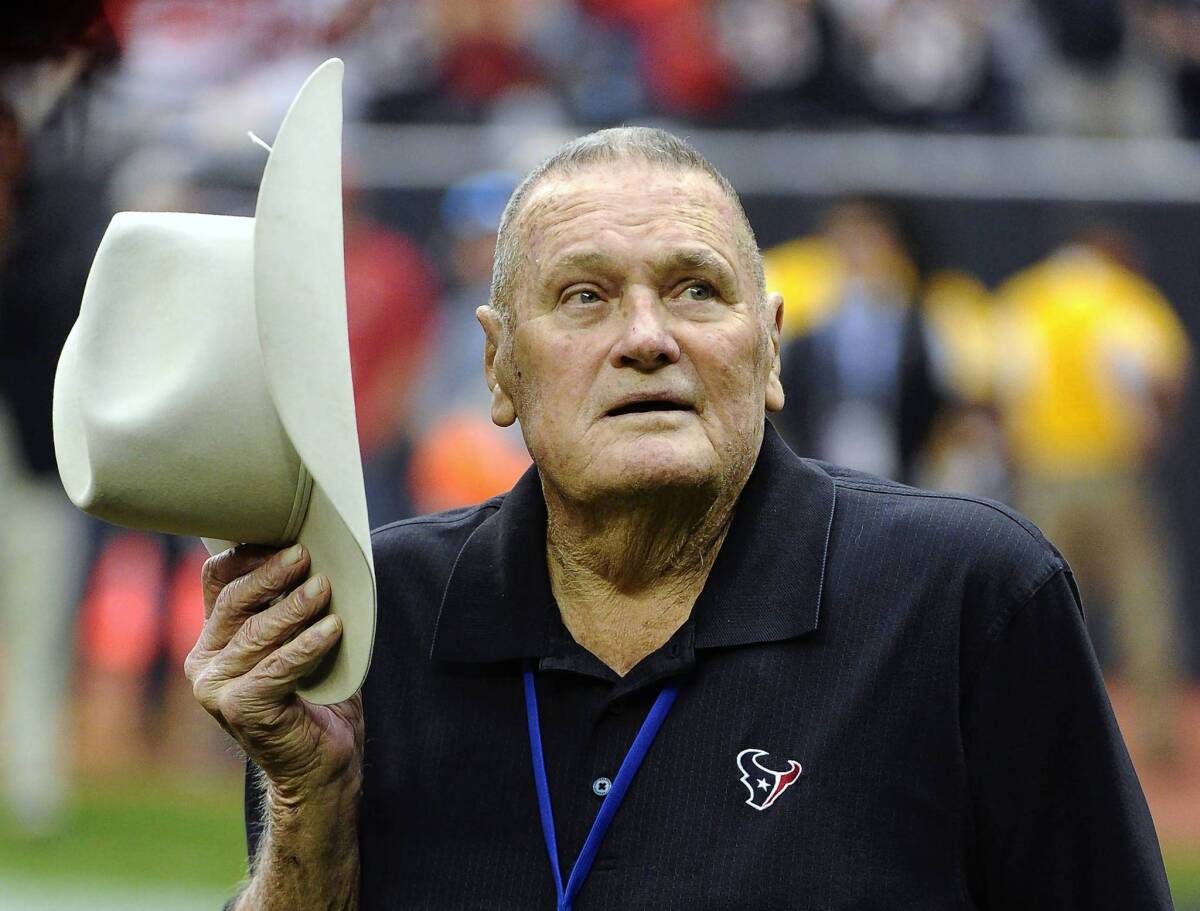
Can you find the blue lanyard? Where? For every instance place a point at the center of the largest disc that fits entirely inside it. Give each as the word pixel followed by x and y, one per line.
pixel 612 800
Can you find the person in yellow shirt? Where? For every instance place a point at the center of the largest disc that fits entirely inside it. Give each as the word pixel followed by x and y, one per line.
pixel 965 450
pixel 1093 369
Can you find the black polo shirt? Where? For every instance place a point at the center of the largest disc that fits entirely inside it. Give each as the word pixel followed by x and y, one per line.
pixel 921 656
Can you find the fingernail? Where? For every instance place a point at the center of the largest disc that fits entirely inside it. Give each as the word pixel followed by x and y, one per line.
pixel 327 626
pixel 292 555
pixel 314 587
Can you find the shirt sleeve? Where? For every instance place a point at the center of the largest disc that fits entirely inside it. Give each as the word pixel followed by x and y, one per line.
pixel 1060 820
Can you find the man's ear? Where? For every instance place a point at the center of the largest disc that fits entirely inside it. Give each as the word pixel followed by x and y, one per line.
pixel 495 338
pixel 774 397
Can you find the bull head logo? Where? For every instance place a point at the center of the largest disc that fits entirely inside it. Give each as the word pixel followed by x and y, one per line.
pixel 764 785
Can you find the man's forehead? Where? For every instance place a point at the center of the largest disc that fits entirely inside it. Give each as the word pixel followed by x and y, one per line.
pixel 631 202
pixel 561 196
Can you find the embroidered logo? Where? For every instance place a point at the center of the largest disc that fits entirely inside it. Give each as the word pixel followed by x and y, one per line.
pixel 764 785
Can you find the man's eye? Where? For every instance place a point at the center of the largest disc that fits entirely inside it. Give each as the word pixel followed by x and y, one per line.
pixel 699 291
pixel 583 296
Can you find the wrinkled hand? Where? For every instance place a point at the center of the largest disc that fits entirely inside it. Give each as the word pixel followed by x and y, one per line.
pixel 246 665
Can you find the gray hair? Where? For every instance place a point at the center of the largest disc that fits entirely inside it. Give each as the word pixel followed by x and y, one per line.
pixel 646 144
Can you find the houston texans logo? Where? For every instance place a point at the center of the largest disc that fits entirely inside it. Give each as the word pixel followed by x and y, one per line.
pixel 764 785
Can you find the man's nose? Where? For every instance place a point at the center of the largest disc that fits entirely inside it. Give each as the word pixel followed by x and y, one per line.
pixel 646 340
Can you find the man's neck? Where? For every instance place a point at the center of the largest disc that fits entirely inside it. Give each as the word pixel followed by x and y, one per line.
pixel 626 574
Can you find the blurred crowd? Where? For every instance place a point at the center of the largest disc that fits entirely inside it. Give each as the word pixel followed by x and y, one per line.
pixel 1091 66
pixel 1053 390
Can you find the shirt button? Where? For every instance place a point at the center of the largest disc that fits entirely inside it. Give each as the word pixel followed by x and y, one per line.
pixel 601 786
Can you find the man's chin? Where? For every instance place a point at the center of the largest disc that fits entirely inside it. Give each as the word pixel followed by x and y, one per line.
pixel 656 462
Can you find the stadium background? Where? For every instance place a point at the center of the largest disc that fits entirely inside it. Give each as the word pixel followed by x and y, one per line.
pixel 976 137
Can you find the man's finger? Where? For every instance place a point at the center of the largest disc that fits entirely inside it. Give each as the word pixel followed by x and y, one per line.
pixel 250 593
pixel 268 630
pixel 221 569
pixel 277 674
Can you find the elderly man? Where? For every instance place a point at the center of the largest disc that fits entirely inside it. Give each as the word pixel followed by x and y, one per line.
pixel 676 666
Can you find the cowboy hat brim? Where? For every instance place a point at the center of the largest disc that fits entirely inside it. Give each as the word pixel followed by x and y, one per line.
pixel 299 290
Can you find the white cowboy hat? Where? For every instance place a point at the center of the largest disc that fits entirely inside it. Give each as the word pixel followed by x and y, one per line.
pixel 205 388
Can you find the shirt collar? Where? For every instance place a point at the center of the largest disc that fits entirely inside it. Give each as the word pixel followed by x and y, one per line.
pixel 765 585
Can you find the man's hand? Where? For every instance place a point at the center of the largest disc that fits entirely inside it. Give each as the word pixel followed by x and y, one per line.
pixel 260 637
pixel 258 641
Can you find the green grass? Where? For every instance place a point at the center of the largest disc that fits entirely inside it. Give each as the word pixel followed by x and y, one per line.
pixel 151 830
pixel 1183 869
pixel 167 831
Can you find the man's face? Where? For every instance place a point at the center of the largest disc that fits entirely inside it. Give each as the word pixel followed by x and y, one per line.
pixel 639 357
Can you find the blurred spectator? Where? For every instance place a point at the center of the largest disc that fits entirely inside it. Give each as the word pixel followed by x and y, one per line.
pixel 1094 75
pixel 194 76
pixel 809 272
pixel 483 49
pixel 470 216
pixel 593 62
pixel 13 158
pixel 463 460
pixel 461 456
pixel 860 385
pixel 1092 377
pixel 1085 32
pixel 140 615
pixel 965 451
pixel 678 63
pixel 53 30
pixel 912 61
pixel 782 55
pixel 392 291
pixel 1174 30
pixel 49 224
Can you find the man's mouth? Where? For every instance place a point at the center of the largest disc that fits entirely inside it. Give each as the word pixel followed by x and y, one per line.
pixel 646 405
